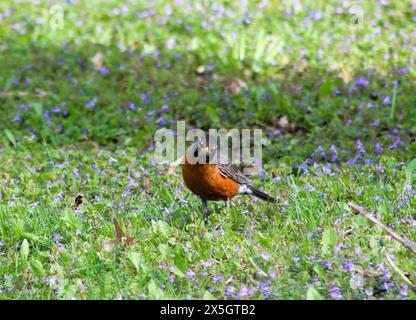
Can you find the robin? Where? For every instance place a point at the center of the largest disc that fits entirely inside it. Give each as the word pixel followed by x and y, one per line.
pixel 214 180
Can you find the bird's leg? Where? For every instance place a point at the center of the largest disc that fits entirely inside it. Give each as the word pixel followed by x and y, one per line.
pixel 205 210
pixel 228 203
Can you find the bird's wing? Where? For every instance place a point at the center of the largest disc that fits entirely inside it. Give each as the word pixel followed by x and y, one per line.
pixel 231 171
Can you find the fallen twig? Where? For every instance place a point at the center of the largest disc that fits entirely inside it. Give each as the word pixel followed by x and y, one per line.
pixel 373 219
pixel 260 271
pixel 398 271
pixel 367 274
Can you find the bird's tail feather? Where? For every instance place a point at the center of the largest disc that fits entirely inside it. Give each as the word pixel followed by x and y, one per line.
pixel 261 195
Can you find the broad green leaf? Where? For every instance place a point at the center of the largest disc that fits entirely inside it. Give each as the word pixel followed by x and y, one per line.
pixel 165 250
pixel 329 239
pixel 179 266
pixel 10 136
pixel 38 109
pixel 24 250
pixel 37 268
pixel 136 259
pixel 154 291
pixel 27 235
pixel 319 271
pixel 410 171
pixel 208 296
pixel 313 294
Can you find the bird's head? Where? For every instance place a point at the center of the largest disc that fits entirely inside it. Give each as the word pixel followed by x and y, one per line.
pixel 201 152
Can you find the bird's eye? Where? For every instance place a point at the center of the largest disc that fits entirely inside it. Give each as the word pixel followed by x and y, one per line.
pixel 196 153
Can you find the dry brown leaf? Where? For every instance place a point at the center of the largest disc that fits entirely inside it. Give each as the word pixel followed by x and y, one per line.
pixel 283 122
pixel 14 93
pixel 285 60
pixel 96 147
pixel 119 232
pixel 247 73
pixel 235 85
pixel 78 200
pixel 98 60
pixel 173 166
pixel 122 236
pixel 286 125
pixel 346 74
pixel 128 227
pixel 40 93
pixel 146 182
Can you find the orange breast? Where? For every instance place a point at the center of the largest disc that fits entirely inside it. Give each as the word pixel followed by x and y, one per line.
pixel 206 181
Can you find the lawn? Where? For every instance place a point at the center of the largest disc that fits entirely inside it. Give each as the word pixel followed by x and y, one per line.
pixel 330 83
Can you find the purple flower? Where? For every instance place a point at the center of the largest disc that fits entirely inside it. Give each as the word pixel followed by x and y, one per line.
pixel 388 285
pixel 91 104
pixel 334 154
pixel 335 293
pixel 56 109
pixel 362 82
pixel 380 169
pixel 276 180
pixel 230 291
pixel 216 278
pixel 265 255
pixel 386 101
pixel 397 141
pixel 104 70
pixel 190 274
pixel 378 149
pixel 265 291
pixel 76 173
pixel 165 108
pixel 403 290
pixel 162 266
pixel 309 188
pixel 170 44
pixel 56 237
pixel 207 263
pixel 368 161
pixel 360 147
pixel 161 121
pixel 321 151
pixel 351 162
pixel 327 170
pixel 245 292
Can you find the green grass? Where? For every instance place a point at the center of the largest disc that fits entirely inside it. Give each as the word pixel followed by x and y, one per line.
pixel 68 129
